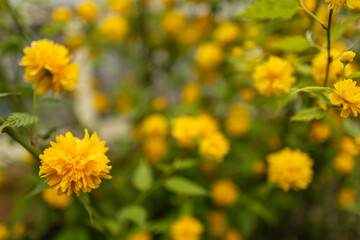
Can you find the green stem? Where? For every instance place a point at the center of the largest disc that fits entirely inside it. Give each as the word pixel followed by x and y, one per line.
pixel 34 110
pixel 16 21
pixel 343 73
pixel 302 6
pixel 328 47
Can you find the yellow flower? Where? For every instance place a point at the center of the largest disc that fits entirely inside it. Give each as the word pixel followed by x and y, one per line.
pixel 209 56
pixel 154 125
pixel 74 165
pixel 47 66
pixel 290 169
pixel 247 94
pixel 186 228
pixel 4 231
pixel 155 148
pixel 214 147
pixel 273 77
pixel 74 41
pixel 168 2
pixel 51 197
pixel 337 4
pixel 238 122
pixel 237 52
pixel 61 14
pixel 344 163
pixel 101 102
pixel 346 94
pixel 120 6
pixel 224 193
pixel 233 235
pixel 319 65
pixel 173 24
pixel 185 129
pixel 227 33
pixel 320 131
pixel 87 10
pixel 346 196
pixel 114 28
pixel 348 56
pixel 206 124
pixel 190 35
pixel 217 220
pixel 159 103
pixel 354 4
pixel 19 228
pixel 123 103
pixel 140 236
pixel 259 167
pixel 349 146
pixel 249 44
pixel 191 93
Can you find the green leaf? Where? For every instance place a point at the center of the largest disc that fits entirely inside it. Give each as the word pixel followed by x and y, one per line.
pixel 143 177
pixel 184 186
pixel 291 44
pixel 10 94
pixel 321 93
pixel 354 75
pixel 18 119
pixel 38 189
pixel 186 163
pixel 85 201
pixel 351 127
pixel 271 9
pixel 309 114
pixel 133 213
pixel 257 207
pixel 339 29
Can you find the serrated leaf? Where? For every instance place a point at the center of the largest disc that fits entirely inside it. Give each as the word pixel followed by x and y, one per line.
pixel 291 44
pixel 142 177
pixel 309 114
pixel 38 189
pixel 18 119
pixel 133 213
pixel 271 9
pixel 185 186
pixel 354 75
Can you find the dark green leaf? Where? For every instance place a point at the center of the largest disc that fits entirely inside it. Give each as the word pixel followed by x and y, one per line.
pixel 184 186
pixel 38 189
pixel 18 119
pixel 309 114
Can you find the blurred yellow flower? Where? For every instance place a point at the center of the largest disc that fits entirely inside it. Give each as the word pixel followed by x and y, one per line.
pixel 101 102
pixel 51 197
pixel 140 236
pixel 224 193
pixel 159 103
pixel 74 41
pixel 346 196
pixel 218 223
pixel 207 76
pixel 186 228
pixel 155 125
pixel 155 148
pixel 237 52
pixel 249 44
pixel 273 77
pixel 19 229
pixel 259 167
pixel 185 129
pixel 74 165
pixel 349 146
pixel 209 56
pixel 247 94
pixel 173 24
pixel 114 28
pixel 227 33
pixel 344 163
pixel 233 234
pixel 238 123
pixel 346 94
pixel 87 10
pixel 47 67
pixel 214 147
pixel 319 65
pixel 123 103
pixel 320 131
pixel 4 231
pixel 190 35
pixel 120 6
pixel 337 4
pixel 348 56
pixel 206 124
pixel 290 169
pixel 191 93
pixel 61 14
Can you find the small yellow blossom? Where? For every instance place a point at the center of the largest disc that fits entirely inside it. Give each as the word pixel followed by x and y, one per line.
pixel 4 231
pixel 154 125
pixel 237 52
pixel 344 163
pixel 249 44
pixel 155 148
pixel 319 66
pixel 51 197
pixel 238 123
pixel 209 56
pixel 346 196
pixel 186 228
pixel 120 6
pixel 185 129
pixel 348 57
pixel 74 41
pixel 248 94
pixel 227 33
pixel 218 223
pixel 320 131
pixel 74 165
pixel 233 234
pixel 173 24
pixel 140 236
pixel 224 193
pixel 273 77
pixel 190 36
pixel 114 28
pixel 337 4
pixel 290 169
pixel 159 103
pixel 191 93
pixel 61 14
pixel 47 66
pixel 259 167
pixel 214 147
pixel 101 102
pixel 19 229
pixel 346 94
pixel 87 10
pixel 206 124
pixel 349 146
